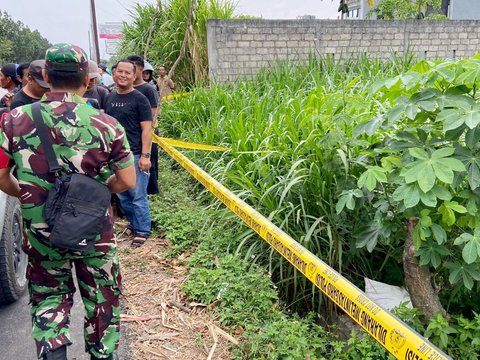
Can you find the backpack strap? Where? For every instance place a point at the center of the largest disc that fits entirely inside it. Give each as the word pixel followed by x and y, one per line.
pixel 53 165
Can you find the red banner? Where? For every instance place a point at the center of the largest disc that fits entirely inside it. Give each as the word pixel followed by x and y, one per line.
pixel 111 36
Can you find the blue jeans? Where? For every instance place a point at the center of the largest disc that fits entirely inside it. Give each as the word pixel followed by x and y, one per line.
pixel 134 203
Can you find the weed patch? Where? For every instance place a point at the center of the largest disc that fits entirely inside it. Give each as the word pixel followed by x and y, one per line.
pixel 241 294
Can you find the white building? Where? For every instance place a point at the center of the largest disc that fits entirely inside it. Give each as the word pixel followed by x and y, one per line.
pixel 464 10
pixel 457 9
pixel 358 9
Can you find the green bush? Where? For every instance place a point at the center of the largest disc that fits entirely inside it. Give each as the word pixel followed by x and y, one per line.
pixel 245 295
pixel 289 338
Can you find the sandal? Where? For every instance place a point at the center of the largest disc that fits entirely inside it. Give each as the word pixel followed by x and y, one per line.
pixel 138 241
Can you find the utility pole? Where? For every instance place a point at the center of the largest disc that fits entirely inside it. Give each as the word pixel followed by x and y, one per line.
pixel 95 31
pixel 90 44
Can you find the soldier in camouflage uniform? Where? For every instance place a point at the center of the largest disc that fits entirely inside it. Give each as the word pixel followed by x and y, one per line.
pixel 84 141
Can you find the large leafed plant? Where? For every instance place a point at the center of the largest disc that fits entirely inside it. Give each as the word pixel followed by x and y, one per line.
pixel 423 169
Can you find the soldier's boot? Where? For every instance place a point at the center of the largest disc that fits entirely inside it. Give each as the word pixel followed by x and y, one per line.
pixel 59 354
pixel 111 357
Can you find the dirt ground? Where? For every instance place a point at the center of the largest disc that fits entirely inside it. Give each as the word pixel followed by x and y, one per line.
pixel 159 322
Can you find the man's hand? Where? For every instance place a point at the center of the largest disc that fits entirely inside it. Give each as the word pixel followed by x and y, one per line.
pixel 7 99
pixel 144 163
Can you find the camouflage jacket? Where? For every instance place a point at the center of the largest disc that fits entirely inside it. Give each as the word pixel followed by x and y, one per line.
pixel 84 140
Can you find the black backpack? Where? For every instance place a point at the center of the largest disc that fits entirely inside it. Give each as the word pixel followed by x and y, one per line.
pixel 77 204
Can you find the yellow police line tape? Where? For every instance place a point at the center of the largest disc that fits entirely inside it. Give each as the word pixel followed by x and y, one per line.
pixel 397 337
pixel 174 96
pixel 193 146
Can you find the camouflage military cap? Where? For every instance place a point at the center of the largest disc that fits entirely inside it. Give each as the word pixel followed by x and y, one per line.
pixel 66 57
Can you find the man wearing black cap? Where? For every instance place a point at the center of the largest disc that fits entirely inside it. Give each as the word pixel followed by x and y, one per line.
pixel 95 93
pixel 10 82
pixel 36 87
pixel 85 141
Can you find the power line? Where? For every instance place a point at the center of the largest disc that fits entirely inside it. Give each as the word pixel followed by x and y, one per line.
pixel 119 3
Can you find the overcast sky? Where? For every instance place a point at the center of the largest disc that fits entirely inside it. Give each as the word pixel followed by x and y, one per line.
pixel 69 20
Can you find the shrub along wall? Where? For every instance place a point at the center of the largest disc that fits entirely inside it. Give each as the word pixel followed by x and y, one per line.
pixel 239 48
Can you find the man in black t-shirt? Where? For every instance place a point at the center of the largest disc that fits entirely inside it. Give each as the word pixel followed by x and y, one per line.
pixel 22 73
pixel 9 81
pixel 151 93
pixel 132 110
pixel 36 87
pixel 139 84
pixel 94 91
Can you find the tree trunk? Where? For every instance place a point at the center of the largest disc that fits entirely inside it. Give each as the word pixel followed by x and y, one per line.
pixel 185 39
pixel 151 28
pixel 418 279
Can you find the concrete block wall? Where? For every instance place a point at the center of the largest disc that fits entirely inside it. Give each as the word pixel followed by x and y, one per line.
pixel 239 48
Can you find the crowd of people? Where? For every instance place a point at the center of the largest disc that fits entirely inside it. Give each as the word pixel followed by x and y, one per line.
pixel 100 124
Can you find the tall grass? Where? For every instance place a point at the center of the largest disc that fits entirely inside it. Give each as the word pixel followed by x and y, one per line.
pixel 290 132
pixel 159 30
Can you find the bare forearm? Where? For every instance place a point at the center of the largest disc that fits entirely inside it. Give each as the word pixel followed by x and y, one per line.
pixel 9 185
pixel 146 138
pixel 154 116
pixel 122 180
pixel 116 185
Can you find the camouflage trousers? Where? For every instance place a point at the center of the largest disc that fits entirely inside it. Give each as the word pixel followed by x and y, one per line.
pixel 51 289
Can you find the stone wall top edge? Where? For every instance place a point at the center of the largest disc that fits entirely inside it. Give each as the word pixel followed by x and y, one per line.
pixel 270 22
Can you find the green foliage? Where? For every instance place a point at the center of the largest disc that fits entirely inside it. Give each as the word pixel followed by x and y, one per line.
pixel 18 43
pixel 245 295
pixel 429 158
pixel 290 338
pixel 404 9
pixel 183 225
pixel 290 132
pixel 436 17
pixel 159 31
pixel 340 156
pixel 459 337
pixel 361 347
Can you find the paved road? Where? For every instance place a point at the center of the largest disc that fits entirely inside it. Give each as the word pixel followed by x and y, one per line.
pixel 16 342
pixel 15 331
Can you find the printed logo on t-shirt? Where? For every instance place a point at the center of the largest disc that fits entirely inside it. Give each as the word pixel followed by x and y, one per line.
pixel 118 104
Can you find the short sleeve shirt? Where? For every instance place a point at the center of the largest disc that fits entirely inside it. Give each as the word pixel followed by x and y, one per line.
pixel 130 110
pixel 149 91
pixel 84 140
pixel 21 98
pixel 165 86
pixel 99 93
